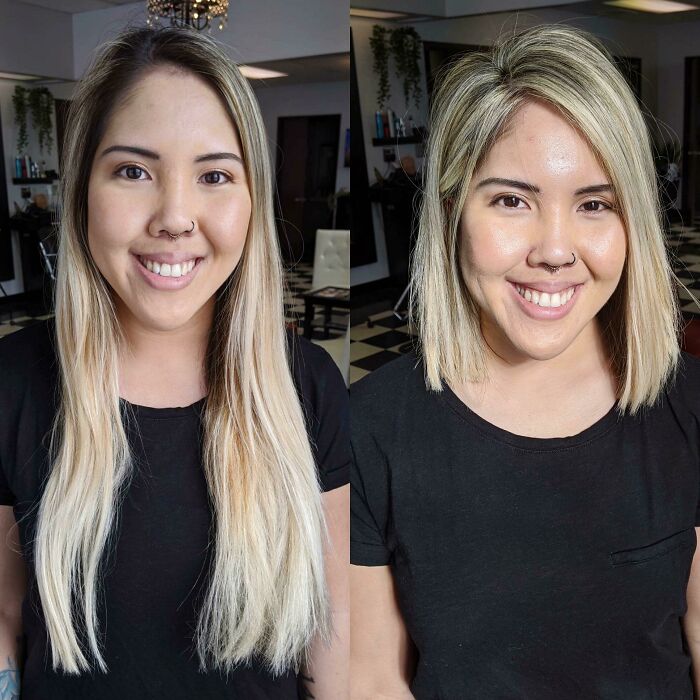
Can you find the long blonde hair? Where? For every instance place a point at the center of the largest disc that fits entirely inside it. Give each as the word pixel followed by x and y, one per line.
pixel 266 596
pixel 473 105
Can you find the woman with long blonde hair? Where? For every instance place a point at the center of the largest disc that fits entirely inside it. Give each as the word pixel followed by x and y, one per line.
pixel 166 443
pixel 525 486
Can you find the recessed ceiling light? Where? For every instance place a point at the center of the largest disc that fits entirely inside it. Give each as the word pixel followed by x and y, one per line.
pixel 657 6
pixel 375 14
pixel 260 73
pixel 18 76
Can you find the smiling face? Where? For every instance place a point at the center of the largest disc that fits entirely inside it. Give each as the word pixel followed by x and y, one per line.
pixel 188 170
pixel 557 204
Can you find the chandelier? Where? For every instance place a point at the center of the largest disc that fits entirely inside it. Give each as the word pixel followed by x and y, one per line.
pixel 199 14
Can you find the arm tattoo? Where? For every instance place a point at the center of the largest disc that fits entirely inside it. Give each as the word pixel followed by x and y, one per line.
pixel 9 681
pixel 304 682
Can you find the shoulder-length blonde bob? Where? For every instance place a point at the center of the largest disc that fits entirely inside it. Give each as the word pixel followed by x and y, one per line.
pixel 266 592
pixel 473 105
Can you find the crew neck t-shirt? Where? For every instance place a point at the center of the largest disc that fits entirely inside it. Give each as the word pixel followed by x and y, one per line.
pixel 529 568
pixel 157 570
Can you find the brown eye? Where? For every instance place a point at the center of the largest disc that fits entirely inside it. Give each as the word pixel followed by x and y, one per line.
pixel 220 174
pixel 131 169
pixel 599 206
pixel 510 201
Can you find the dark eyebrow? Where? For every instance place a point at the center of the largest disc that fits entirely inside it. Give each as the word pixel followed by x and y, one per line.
pixel 154 156
pixel 517 184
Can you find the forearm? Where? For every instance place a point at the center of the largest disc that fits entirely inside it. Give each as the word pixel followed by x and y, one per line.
pixel 327 675
pixel 10 661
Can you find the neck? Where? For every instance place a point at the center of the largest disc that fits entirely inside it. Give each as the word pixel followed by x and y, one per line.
pixel 584 363
pixel 162 368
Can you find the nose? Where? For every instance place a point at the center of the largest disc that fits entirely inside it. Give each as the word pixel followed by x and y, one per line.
pixel 554 242
pixel 174 215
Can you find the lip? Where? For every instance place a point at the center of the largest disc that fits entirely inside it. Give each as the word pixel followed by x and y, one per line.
pixel 167 283
pixel 543 313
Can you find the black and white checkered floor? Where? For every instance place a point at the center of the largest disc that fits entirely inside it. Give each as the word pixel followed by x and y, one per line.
pixel 298 280
pixel 388 337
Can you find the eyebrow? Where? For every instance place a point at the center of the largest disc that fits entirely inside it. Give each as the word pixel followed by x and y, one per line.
pixel 517 184
pixel 146 153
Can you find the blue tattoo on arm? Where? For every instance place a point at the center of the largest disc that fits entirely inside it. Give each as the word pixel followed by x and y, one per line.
pixel 9 681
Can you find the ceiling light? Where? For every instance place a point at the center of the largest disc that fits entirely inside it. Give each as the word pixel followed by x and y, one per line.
pixel 657 6
pixel 260 73
pixel 375 14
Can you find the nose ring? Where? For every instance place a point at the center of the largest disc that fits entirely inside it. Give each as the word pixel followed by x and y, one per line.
pixel 553 268
pixel 174 237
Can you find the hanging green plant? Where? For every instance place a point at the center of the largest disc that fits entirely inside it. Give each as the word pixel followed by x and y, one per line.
pixel 19 102
pixel 406 46
pixel 41 106
pixel 380 54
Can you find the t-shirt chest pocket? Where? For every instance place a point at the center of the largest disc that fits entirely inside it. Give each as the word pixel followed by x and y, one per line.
pixel 679 541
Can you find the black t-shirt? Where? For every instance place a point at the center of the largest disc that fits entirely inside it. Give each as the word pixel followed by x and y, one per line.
pixel 157 571
pixel 528 568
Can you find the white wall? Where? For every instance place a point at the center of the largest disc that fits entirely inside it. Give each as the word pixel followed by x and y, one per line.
pixel 304 100
pixel 661 51
pixel 35 40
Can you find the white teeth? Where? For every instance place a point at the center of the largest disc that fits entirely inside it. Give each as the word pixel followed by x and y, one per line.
pixel 544 299
pixel 166 270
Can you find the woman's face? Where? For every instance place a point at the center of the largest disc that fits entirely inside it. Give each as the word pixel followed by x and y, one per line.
pixel 188 168
pixel 557 203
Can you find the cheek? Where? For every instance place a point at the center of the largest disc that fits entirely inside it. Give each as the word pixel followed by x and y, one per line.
pixel 108 227
pixel 490 247
pixel 605 252
pixel 235 222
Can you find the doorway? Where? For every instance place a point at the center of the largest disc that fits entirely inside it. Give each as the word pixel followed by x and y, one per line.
pixel 307 163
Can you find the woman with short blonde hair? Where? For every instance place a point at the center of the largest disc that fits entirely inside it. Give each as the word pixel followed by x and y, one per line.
pixel 178 538
pixel 525 484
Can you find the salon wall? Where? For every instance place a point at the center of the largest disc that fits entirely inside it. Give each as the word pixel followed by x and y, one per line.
pixel 35 40
pixel 307 99
pixel 622 38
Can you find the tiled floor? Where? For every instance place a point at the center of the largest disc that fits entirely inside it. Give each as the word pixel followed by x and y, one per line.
pixel 685 243
pixel 298 281
pixel 389 337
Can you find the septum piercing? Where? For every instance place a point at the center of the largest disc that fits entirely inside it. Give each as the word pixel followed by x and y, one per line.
pixel 556 268
pixel 177 235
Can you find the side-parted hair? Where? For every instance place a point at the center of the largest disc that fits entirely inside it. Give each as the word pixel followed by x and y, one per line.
pixel 266 594
pixel 475 102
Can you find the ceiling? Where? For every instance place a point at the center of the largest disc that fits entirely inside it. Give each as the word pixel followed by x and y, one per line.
pixel 73 6
pixel 310 69
pixel 427 10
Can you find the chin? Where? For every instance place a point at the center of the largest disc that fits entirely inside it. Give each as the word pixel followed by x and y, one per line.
pixel 167 321
pixel 544 350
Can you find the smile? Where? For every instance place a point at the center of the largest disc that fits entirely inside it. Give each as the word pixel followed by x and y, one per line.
pixel 166 270
pixel 544 299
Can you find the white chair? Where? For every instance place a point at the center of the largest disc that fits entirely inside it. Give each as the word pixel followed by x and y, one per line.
pixel 331 264
pixel 331 259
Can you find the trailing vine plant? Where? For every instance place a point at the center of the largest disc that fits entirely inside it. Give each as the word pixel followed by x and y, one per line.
pixel 405 46
pixel 380 54
pixel 19 102
pixel 41 106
